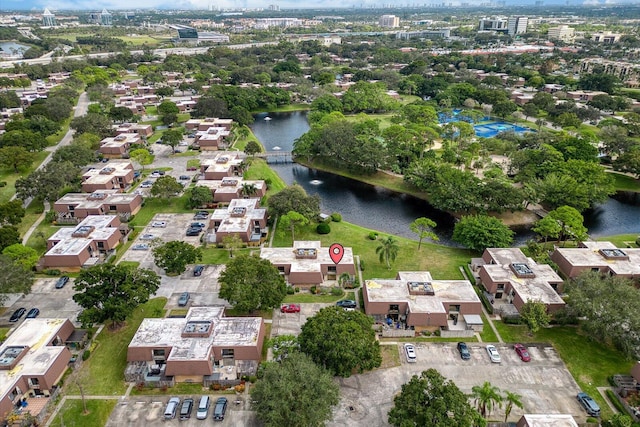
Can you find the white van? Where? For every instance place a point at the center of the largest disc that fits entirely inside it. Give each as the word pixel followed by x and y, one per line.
pixel 172 408
pixel 203 408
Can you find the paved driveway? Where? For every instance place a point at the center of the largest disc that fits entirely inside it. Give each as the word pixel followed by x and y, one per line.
pixel 544 383
pixel 291 323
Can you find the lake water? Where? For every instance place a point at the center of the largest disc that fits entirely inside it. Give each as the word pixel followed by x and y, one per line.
pixel 390 212
pixel 10 47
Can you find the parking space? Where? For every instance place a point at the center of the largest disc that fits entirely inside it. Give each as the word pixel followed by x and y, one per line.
pixel 291 323
pixel 142 411
pixel 50 301
pixel 203 289
pixel 544 383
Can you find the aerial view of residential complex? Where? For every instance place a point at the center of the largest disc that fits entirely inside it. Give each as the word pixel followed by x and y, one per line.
pixel 331 214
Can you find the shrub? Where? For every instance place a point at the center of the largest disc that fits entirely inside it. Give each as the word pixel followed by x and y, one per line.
pixel 512 320
pixel 313 290
pixel 86 354
pixel 253 378
pixel 3 183
pixel 616 402
pixel 50 216
pixel 52 272
pixel 297 289
pixel 336 291
pixel 290 290
pixel 361 265
pixel 483 298
pixel 373 235
pixel 437 332
pixel 336 217
pixel 638 241
pixel 323 228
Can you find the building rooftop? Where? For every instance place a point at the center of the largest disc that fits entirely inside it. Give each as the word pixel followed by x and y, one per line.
pixel 625 262
pixel 221 163
pixel 74 240
pixel 96 199
pixel 229 185
pixel 304 256
pixel 410 286
pixel 550 420
pixel 120 140
pixel 115 168
pixel 176 333
pixel 239 216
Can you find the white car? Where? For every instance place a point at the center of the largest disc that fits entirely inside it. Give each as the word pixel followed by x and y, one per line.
pixel 147 237
pixel 146 184
pixel 493 354
pixel 140 247
pixel 410 352
pixel 159 224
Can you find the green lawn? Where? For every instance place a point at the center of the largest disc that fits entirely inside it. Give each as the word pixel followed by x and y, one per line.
pixel 626 183
pixel 154 206
pixel 179 388
pixel 103 372
pixel 487 334
pixel 259 169
pixel 213 255
pixel 589 362
pixel 33 212
pixel 10 176
pixel 38 239
pixel 72 413
pixel 443 262
pixel 620 239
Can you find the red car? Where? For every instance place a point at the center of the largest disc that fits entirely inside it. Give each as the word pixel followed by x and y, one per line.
pixel 290 308
pixel 522 352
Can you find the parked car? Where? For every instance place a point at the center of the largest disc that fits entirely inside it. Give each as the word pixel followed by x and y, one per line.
pixel 290 308
pixel 33 313
pixel 184 178
pixel 522 352
pixel 465 354
pixel 197 225
pixel 159 224
pixel 493 354
pixel 140 247
pixel 184 299
pixel 203 408
pixel 146 184
pixel 186 408
pixel 191 231
pixel 220 409
pixel 147 237
pixel 589 404
pixel 346 303
pixel 17 314
pixel 201 215
pixel 61 282
pixel 172 408
pixel 410 352
pixel 197 270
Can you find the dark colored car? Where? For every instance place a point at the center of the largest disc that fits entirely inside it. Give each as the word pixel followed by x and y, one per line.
pixel 184 178
pixel 184 299
pixel 522 352
pixel 589 404
pixel 346 303
pixel 197 225
pixel 465 354
pixel 17 314
pixel 61 282
pixel 33 313
pixel 191 231
pixel 186 408
pixel 220 409
pixel 197 270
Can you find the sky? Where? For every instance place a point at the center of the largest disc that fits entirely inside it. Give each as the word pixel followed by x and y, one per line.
pixel 113 5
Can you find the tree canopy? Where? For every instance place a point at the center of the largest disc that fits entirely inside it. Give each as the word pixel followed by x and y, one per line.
pixel 534 315
pixel 14 278
pixel 112 292
pixel 294 392
pixel 432 400
pixel 174 256
pixel 251 283
pixel 423 227
pixel 294 198
pixel 479 232
pixel 341 341
pixel 166 187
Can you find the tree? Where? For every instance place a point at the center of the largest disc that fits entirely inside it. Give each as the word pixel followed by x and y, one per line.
pixel 618 420
pixel 77 154
pixel 251 283
pixel 142 156
pixel 120 114
pixel 248 190
pixel 112 292
pixel 535 316
pixel 15 157
pixel 311 389
pixel 252 147
pixel 166 187
pixel 341 341
pixel 530 110
pixel 94 123
pixel 432 400
pixel 292 220
pixel 200 196
pixel 26 139
pixel 486 397
pixel 168 107
pixel 512 399
pixel 423 227
pixel 504 108
pixel 547 227
pixel 294 198
pixel 570 222
pixel 11 212
pixel 174 256
pixel 172 137
pixel 47 183
pixel 14 278
pixel 387 250
pixel 9 235
pixel 479 232
pixel 24 256
pixel 231 242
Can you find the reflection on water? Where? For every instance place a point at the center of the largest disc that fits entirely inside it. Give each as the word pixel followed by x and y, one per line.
pixel 381 209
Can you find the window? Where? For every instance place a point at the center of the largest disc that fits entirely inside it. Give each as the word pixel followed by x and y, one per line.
pixel 595 269
pixel 100 245
pixel 281 269
pixel 34 383
pixel 158 352
pixel 113 208
pixel 227 353
pixel 15 393
pixel 332 269
pixel 394 308
pixel 454 308
pixel 71 208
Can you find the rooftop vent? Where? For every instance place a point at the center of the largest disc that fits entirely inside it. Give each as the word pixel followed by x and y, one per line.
pixel 222 159
pixel 522 270
pixel 97 196
pixel 11 355
pixel 107 171
pixel 83 231
pixel 229 182
pixel 614 254
pixel 420 288
pixel 238 212
pixel 201 328
pixel 306 253
pixel 120 138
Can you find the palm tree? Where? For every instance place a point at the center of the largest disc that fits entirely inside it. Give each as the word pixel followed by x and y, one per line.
pixel 388 250
pixel 248 190
pixel 512 399
pixel 486 397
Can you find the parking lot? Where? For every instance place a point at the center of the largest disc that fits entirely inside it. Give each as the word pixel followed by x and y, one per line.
pixel 291 323
pixel 544 383
pixel 203 289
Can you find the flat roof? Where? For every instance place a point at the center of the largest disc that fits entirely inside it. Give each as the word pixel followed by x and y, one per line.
pixel 227 332
pixel 237 224
pixel 550 420
pixel 123 138
pixel 529 288
pixel 216 185
pixel 590 256
pixel 96 200
pixel 508 255
pixel 70 245
pixel 287 256
pixel 446 291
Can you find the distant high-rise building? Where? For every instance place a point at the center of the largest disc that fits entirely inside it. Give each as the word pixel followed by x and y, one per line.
pixel 389 21
pixel 105 18
pixel 274 7
pixel 48 19
pixel 564 33
pixel 517 25
pixel 493 24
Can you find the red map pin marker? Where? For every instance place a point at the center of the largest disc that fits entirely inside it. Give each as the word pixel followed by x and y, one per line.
pixel 336 252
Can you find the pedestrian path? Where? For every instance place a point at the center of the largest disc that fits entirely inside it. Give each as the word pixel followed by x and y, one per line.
pixel 486 315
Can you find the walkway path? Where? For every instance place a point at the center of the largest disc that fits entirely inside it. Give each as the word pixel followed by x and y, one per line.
pixel 486 315
pixel 603 393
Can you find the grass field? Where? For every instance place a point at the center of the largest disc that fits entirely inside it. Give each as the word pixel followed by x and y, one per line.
pixel 103 373
pixel 154 206
pixel 72 413
pixel 259 169
pixel 9 176
pixel 626 183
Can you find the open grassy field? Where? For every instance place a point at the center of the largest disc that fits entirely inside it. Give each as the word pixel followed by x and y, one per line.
pixel 259 169
pixel 9 176
pixel 72 413
pixel 103 373
pixel 626 183
pixel 443 262
pixel 153 205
